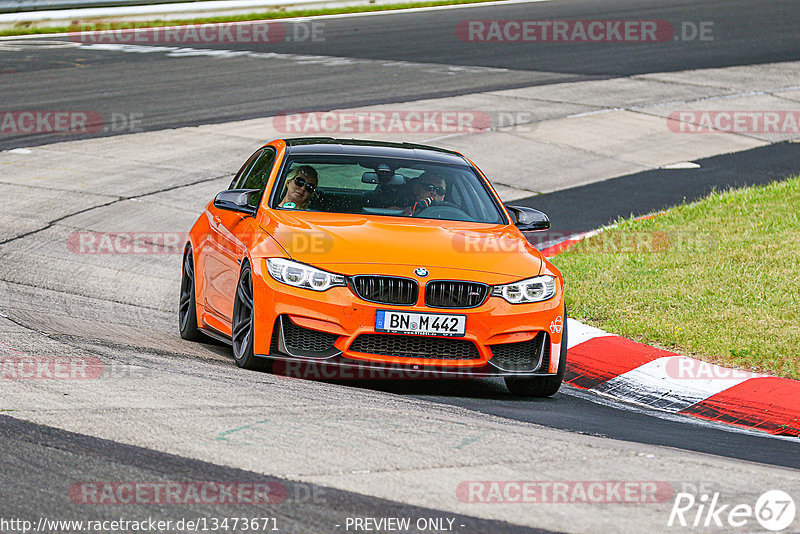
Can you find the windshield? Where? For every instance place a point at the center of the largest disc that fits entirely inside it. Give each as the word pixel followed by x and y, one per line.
pixel 374 185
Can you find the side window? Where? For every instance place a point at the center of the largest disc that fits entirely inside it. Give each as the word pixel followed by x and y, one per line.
pixel 257 175
pixel 243 171
pixel 255 171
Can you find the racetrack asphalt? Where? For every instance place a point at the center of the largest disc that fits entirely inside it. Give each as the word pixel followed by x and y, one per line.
pixel 587 207
pixel 379 59
pixel 172 92
pixel 45 473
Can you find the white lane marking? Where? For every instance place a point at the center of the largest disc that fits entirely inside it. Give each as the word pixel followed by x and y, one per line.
pixel 331 16
pixel 593 112
pixel 656 385
pixel 578 333
pixel 15 45
pixel 682 165
pixel 327 61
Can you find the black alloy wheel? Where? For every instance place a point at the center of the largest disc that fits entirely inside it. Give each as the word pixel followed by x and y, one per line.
pixel 187 310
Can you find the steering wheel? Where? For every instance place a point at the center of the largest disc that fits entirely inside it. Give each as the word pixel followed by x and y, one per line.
pixel 441 209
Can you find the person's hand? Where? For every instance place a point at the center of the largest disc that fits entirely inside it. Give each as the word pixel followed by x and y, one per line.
pixel 420 205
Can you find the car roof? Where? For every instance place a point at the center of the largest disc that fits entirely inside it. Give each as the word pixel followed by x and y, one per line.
pixel 364 147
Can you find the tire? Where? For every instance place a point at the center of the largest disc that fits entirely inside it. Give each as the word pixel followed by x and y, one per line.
pixel 542 386
pixel 187 308
pixel 242 330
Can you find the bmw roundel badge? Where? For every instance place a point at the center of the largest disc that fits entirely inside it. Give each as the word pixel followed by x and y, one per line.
pixel 421 272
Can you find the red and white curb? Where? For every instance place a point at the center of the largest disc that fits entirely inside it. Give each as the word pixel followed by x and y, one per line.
pixel 635 372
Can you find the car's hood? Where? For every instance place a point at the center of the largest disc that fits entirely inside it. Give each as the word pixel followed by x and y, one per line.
pixel 322 238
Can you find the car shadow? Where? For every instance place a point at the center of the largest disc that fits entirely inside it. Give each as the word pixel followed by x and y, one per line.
pixel 476 388
pixel 401 381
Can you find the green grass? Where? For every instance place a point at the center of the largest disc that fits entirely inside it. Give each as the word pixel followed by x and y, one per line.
pixel 24 29
pixel 716 279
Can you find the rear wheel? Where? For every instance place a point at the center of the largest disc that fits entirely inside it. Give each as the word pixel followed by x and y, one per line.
pixel 542 386
pixel 187 310
pixel 242 324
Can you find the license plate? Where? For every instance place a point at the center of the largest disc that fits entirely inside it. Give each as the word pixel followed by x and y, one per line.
pixel 421 324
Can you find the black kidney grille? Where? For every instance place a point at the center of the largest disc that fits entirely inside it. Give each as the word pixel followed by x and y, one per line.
pixel 298 338
pixel 523 356
pixel 455 294
pixel 416 347
pixel 385 289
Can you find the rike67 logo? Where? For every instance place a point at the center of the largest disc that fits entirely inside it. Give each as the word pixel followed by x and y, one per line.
pixel 774 510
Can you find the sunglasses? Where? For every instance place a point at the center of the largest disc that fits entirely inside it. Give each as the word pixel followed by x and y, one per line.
pixel 434 188
pixel 301 182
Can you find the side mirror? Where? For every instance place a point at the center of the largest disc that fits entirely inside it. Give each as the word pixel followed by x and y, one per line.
pixel 529 219
pixel 241 200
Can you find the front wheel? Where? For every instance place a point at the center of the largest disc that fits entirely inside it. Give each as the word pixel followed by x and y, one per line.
pixel 242 324
pixel 542 386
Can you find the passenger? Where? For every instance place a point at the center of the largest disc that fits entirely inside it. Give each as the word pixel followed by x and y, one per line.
pixel 300 188
pixel 426 189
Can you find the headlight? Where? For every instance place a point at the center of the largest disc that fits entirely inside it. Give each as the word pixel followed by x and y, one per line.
pixel 300 275
pixel 534 289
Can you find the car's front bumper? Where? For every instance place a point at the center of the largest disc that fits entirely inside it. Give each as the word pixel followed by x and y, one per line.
pixel 287 317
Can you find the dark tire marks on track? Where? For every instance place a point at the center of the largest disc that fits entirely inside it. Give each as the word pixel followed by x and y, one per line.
pixel 41 463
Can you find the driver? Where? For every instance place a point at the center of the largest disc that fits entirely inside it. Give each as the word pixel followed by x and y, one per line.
pixel 426 189
pixel 300 188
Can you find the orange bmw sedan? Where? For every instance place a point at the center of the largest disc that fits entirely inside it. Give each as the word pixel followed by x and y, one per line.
pixel 361 255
